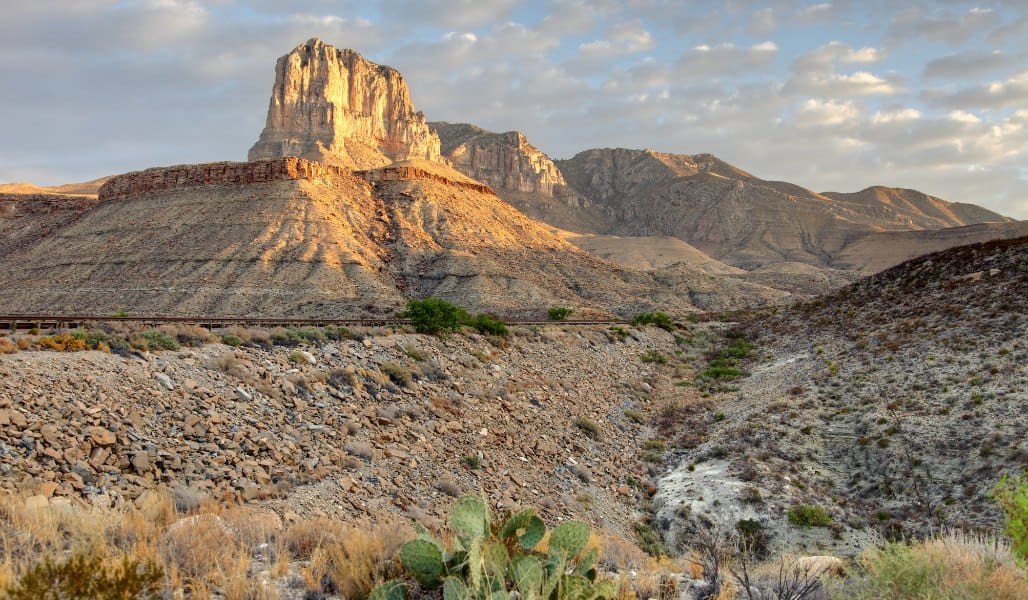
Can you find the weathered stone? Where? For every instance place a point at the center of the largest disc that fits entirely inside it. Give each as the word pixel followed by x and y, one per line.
pixel 336 107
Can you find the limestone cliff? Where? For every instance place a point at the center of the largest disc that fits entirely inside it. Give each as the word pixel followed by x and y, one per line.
pixel 505 161
pixel 336 107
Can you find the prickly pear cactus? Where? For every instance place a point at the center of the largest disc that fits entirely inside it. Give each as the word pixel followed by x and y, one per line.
pixel 569 538
pixel 527 574
pixel 527 527
pixel 390 590
pixel 470 519
pixel 425 561
pixel 454 589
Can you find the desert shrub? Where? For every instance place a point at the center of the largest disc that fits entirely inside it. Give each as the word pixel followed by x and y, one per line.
pixel 653 356
pixel 1012 495
pixel 588 426
pixel 634 415
pixel 809 515
pixel 471 461
pixel 232 340
pixel 492 559
pixel 558 313
pixel 753 536
pixel 157 340
pixel 189 335
pixel 720 372
pixel 489 324
pixel 398 374
pixel 86 576
pixel 296 357
pixel 297 336
pixel 648 539
pixel 7 346
pixel 435 315
pixel 657 319
pixel 64 342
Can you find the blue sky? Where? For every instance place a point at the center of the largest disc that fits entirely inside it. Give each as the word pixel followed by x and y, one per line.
pixel 834 96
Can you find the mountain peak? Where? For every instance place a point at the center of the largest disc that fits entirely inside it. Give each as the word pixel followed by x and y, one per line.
pixel 335 106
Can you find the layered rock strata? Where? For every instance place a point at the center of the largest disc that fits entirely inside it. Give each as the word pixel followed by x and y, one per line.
pixel 336 107
pixel 139 183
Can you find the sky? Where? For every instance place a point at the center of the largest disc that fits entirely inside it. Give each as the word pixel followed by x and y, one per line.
pixel 833 96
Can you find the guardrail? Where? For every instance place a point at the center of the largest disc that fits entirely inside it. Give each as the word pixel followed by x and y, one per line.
pixel 15 323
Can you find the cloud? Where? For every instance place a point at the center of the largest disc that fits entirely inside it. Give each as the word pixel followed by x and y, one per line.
pixel 454 14
pixel 725 60
pixel 825 58
pixel 997 95
pixel 860 83
pixel 1015 30
pixel 970 64
pixel 762 22
pixel 915 23
pixel 817 113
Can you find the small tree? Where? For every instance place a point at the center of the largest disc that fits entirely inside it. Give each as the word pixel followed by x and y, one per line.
pixel 435 315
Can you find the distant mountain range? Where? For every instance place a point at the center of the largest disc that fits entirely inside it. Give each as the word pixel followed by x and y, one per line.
pixel 386 205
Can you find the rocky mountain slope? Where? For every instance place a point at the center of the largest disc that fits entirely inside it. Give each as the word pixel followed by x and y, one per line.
pixel 289 237
pixel 721 212
pixel 895 404
pixel 384 423
pixel 336 107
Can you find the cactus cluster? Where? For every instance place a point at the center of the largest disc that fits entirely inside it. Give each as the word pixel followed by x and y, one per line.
pixel 490 561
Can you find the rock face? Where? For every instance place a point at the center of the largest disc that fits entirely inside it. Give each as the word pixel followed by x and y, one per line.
pixel 334 106
pixel 505 161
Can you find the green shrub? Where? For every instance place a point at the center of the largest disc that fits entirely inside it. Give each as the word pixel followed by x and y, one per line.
pixel 232 340
pixel 489 324
pixel 718 372
pixel 158 340
pixel 492 559
pixel 1012 495
pixel 435 315
pixel 472 462
pixel 649 539
pixel 559 313
pixel 634 415
pixel 809 515
pixel 657 319
pixel 85 576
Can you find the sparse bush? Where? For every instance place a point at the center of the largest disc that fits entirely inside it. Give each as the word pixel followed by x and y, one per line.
pixel 488 324
pixel 653 356
pixel 86 576
pixel 153 339
pixel 398 374
pixel 588 426
pixel 296 357
pixel 232 340
pixel 471 462
pixel 434 315
pixel 558 313
pixel 657 319
pixel 634 415
pixel 7 346
pixel 809 515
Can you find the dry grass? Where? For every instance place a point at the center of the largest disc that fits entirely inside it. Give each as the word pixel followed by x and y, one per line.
pixel 953 566
pixel 7 346
pixel 214 550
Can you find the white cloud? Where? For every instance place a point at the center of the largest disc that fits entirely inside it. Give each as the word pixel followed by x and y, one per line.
pixel 968 64
pixel 895 116
pixel 997 95
pixel 914 23
pixel 816 112
pixel 725 60
pixel 825 58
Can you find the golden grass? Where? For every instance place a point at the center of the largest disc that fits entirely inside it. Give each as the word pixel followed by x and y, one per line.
pixel 213 550
pixel 954 565
pixel 8 346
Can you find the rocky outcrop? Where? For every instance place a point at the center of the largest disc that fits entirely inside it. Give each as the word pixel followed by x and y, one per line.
pixel 158 179
pixel 505 161
pixel 336 107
